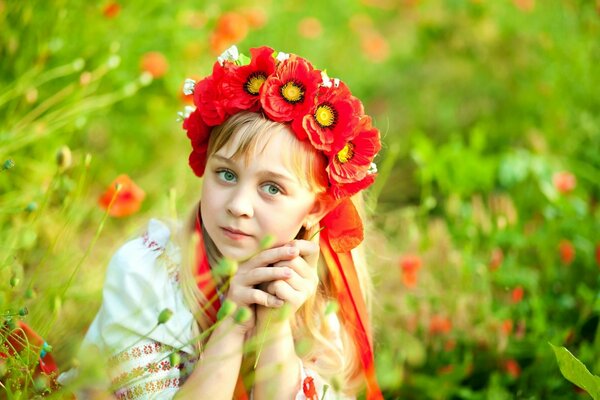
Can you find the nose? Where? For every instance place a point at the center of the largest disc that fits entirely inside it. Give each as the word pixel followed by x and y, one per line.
pixel 240 203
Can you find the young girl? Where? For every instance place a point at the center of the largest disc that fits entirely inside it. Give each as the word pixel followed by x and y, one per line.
pixel 264 293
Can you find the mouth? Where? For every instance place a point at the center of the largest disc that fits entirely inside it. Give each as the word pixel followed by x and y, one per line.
pixel 234 234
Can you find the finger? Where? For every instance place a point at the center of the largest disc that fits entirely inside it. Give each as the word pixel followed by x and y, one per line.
pixel 309 250
pixel 270 256
pixel 265 274
pixel 284 291
pixel 255 296
pixel 299 266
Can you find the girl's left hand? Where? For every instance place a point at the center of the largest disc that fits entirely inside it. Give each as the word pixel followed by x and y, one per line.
pixel 305 279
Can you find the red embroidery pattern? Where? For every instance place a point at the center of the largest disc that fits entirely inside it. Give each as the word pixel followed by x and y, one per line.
pixel 136 352
pixel 308 387
pixel 151 244
pixel 147 388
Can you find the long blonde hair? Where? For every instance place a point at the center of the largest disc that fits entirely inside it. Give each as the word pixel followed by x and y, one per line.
pixel 341 367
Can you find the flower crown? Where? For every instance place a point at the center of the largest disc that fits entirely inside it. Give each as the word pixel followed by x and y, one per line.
pixel 287 89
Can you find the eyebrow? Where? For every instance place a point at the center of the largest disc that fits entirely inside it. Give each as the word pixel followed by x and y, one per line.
pixel 264 172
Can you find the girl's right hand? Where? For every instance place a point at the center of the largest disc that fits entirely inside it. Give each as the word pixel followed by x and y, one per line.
pixel 255 271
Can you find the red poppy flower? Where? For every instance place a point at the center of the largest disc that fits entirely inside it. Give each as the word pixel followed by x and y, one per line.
pixel 331 119
pixel 517 294
pixel 111 10
pixel 198 133
pixel 231 27
pixel 496 258
pixel 598 254
pixel 128 200
pixel 308 387
pixel 564 182
pixel 566 251
pixel 290 91
pixel 241 86
pixel 208 97
pixel 410 265
pixel 439 324
pixel 512 368
pixel 506 327
pixel 154 63
pixel 349 162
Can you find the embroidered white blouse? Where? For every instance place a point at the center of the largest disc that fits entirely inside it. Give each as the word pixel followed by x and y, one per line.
pixel 141 281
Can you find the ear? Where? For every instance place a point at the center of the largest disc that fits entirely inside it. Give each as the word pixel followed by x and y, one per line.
pixel 323 205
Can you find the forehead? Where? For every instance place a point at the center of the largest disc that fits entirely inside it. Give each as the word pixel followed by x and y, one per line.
pixel 274 147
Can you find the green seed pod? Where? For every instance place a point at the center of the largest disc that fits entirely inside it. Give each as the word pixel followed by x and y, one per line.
pixel 31 207
pixel 283 313
pixel 267 242
pixel 227 308
pixel 164 316
pixel 64 158
pixel 8 164
pixel 30 293
pixel 226 267
pixel 242 314
pixel 174 359
pixel 331 307
pixel 14 281
pixel 23 311
pixel 10 323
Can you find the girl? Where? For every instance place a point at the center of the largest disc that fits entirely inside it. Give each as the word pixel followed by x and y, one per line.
pixel 263 294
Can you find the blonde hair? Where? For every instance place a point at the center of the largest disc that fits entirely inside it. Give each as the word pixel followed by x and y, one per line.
pixel 310 322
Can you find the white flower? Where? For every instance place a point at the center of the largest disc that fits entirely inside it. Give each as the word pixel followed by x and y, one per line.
pixel 326 81
pixel 231 54
pixel 372 168
pixel 185 113
pixel 281 56
pixel 188 86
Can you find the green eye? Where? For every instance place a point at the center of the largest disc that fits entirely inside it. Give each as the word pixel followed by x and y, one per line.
pixel 226 175
pixel 272 189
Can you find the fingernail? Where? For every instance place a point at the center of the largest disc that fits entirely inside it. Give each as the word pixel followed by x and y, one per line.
pixel 292 250
pixel 278 302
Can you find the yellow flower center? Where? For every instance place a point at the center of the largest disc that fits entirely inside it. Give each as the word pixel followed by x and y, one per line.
pixel 254 83
pixel 292 92
pixel 346 154
pixel 325 115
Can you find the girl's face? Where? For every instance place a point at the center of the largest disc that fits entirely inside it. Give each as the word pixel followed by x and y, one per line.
pixel 244 202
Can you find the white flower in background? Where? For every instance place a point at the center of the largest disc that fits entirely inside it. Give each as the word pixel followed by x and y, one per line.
pixel 185 113
pixel 281 56
pixel 188 86
pixel 231 54
pixel 372 168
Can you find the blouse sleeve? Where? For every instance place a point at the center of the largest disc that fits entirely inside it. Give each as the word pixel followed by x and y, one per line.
pixel 146 358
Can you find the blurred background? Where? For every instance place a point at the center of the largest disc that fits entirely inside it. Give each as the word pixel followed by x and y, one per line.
pixel 484 241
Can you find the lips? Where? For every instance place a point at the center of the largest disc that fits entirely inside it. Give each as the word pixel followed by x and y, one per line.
pixel 235 234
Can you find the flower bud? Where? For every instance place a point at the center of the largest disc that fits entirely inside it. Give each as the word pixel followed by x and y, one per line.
pixel 31 207
pixel 23 311
pixel 64 158
pixel 227 308
pixel 267 242
pixel 242 314
pixel 14 281
pixel 331 307
pixel 164 316
pixel 174 359
pixel 8 164
pixel 226 267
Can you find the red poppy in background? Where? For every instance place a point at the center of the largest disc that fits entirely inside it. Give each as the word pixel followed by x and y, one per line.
pixel 255 17
pixel 231 28
pixel 328 123
pixel 507 327
pixel 290 91
pixel 310 28
pixel 439 324
pixel 512 368
pixel 375 46
pixel 564 182
pixel 496 258
pixel 410 265
pixel 128 199
pixel 208 97
pixel 242 85
pixel 111 10
pixel 154 63
pixel 598 254
pixel 566 251
pixel 517 294
pixel 525 5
